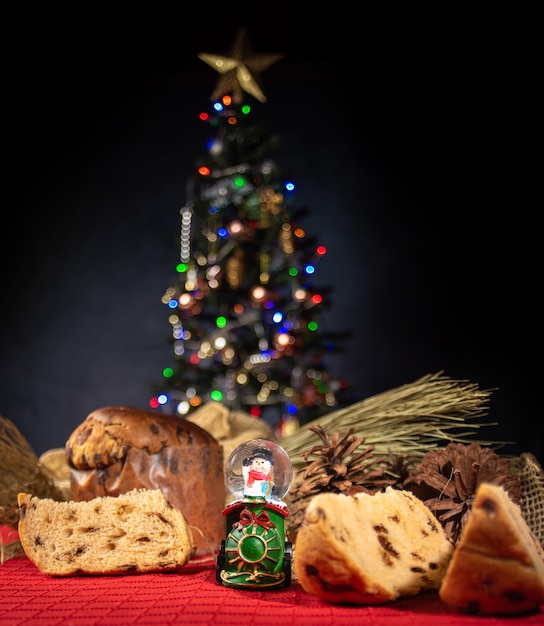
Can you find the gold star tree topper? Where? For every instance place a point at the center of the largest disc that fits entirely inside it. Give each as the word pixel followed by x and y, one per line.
pixel 240 69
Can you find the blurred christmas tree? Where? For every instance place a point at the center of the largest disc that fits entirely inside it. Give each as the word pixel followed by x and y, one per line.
pixel 245 316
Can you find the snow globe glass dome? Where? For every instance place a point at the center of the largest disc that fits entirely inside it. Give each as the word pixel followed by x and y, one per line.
pixel 256 463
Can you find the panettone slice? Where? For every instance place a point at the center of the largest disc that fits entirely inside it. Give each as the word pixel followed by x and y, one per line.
pixel 136 532
pixel 369 549
pixel 498 565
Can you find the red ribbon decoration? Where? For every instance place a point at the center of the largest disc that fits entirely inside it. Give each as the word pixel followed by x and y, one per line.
pixel 248 517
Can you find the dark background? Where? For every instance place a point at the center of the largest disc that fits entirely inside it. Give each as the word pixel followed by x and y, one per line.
pixel 412 137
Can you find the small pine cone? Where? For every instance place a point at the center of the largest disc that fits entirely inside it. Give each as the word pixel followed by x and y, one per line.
pixel 334 466
pixel 447 479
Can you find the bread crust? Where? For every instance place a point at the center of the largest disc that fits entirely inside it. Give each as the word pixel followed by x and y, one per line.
pixel 108 433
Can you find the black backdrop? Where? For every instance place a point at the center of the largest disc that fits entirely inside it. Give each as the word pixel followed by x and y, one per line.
pixel 410 137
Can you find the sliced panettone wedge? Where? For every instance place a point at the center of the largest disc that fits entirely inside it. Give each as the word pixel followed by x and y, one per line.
pixel 498 565
pixel 369 549
pixel 138 531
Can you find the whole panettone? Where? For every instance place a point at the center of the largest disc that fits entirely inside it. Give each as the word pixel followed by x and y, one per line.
pixel 117 449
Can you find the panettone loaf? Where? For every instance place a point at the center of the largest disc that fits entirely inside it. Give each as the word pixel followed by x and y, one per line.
pixel 117 449
pixel 369 549
pixel 497 567
pixel 137 532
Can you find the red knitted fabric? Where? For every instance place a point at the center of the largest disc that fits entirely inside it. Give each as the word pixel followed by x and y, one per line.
pixel 193 597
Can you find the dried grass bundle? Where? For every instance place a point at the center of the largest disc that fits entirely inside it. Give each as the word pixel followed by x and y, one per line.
pixel 407 421
pixel 20 471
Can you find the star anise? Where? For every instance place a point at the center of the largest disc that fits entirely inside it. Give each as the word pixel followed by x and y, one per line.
pixel 447 479
pixel 335 467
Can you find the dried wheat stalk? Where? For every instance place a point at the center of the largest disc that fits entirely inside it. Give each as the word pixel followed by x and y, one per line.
pixel 407 421
pixel 20 471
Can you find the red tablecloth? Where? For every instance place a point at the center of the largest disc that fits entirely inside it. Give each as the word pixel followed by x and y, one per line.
pixel 192 597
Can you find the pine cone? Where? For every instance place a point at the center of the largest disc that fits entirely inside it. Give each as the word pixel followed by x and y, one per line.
pixel 447 479
pixel 337 469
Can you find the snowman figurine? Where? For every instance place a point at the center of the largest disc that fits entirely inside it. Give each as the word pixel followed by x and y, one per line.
pixel 258 473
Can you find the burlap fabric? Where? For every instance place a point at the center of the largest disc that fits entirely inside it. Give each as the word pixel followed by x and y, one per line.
pixel 531 477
